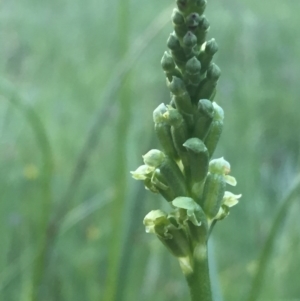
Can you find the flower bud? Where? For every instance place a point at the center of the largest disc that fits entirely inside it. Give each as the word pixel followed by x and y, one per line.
pixel 167 62
pixel 182 5
pixel 198 6
pixel 222 167
pixel 208 85
pixel 201 30
pixel 181 96
pixel 219 166
pixel 166 177
pixel 212 138
pixel 192 21
pixel 207 52
pixel 193 71
pixel 176 50
pixel 154 158
pixel 159 112
pixel 213 72
pixel 173 177
pixel 204 119
pixel 169 66
pixel 198 159
pixel 179 132
pixel 189 42
pixel 179 23
pixel 163 131
pixel 213 194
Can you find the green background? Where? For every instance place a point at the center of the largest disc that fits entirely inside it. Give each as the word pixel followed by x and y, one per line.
pixel 79 82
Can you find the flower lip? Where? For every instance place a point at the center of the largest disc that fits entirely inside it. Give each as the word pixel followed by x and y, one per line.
pixel 231 199
pixel 142 172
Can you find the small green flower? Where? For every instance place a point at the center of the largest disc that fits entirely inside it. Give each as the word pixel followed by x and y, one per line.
pixel 154 158
pixel 215 196
pixel 221 166
pixel 170 234
pixel 230 199
pixel 142 172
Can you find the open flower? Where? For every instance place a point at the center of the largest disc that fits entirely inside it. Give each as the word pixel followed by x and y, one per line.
pixel 142 172
pixel 231 199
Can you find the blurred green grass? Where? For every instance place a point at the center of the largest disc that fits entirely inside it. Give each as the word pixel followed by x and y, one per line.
pixel 60 58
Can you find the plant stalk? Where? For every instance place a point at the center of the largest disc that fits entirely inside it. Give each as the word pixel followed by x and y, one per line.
pixel 199 281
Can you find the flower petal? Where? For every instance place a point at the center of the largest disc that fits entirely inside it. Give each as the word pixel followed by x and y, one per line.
pixel 230 180
pixel 231 199
pixel 142 172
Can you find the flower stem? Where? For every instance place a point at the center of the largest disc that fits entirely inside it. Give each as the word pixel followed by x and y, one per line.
pixel 199 281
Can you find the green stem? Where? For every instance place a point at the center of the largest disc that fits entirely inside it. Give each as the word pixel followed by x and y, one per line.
pixel 199 281
pixel 268 247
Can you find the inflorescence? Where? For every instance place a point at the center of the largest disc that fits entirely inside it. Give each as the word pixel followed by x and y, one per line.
pixel 188 129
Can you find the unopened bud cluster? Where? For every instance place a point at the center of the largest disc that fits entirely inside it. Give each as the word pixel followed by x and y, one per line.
pixel 188 129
